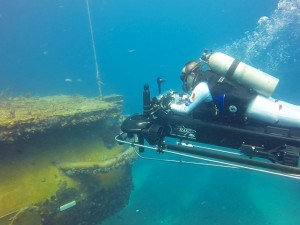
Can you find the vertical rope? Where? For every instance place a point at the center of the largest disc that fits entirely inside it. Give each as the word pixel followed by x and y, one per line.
pixel 98 79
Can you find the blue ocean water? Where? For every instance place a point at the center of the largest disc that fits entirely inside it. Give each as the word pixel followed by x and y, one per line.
pixel 46 49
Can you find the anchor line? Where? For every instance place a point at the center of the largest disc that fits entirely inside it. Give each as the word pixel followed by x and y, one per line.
pixel 99 82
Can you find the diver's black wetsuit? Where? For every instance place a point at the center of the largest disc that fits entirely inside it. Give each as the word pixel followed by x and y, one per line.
pixel 230 99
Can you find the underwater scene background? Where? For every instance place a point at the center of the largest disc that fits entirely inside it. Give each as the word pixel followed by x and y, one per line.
pixel 46 49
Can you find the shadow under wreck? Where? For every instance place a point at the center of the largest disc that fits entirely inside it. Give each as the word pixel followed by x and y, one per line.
pixel 59 163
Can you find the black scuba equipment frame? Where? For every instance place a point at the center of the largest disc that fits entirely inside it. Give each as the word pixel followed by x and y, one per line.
pixel 263 148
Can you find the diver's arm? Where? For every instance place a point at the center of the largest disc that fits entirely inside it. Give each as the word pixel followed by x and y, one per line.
pixel 199 94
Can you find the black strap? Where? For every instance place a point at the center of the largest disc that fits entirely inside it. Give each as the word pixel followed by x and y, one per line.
pixel 232 68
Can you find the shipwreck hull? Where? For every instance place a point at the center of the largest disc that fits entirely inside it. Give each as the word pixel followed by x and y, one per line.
pixel 59 163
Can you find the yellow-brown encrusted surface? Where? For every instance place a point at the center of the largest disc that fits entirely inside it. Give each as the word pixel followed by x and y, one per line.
pixel 21 117
pixel 60 150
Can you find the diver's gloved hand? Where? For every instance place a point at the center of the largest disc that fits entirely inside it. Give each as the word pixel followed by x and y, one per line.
pixel 179 99
pixel 166 100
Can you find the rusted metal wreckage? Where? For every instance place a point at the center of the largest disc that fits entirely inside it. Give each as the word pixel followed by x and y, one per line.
pixel 59 163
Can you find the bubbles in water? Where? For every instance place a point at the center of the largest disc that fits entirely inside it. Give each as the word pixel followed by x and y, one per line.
pixel 272 39
pixel 263 20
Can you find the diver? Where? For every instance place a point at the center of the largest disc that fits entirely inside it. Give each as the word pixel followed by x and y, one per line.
pixel 232 92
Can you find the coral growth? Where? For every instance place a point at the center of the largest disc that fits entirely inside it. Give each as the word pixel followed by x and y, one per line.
pixel 93 203
pixel 59 163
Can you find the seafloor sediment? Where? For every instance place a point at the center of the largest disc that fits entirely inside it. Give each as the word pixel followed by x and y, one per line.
pixel 59 163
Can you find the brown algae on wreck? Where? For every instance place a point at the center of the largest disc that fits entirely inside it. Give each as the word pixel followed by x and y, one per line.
pixel 59 152
pixel 22 116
